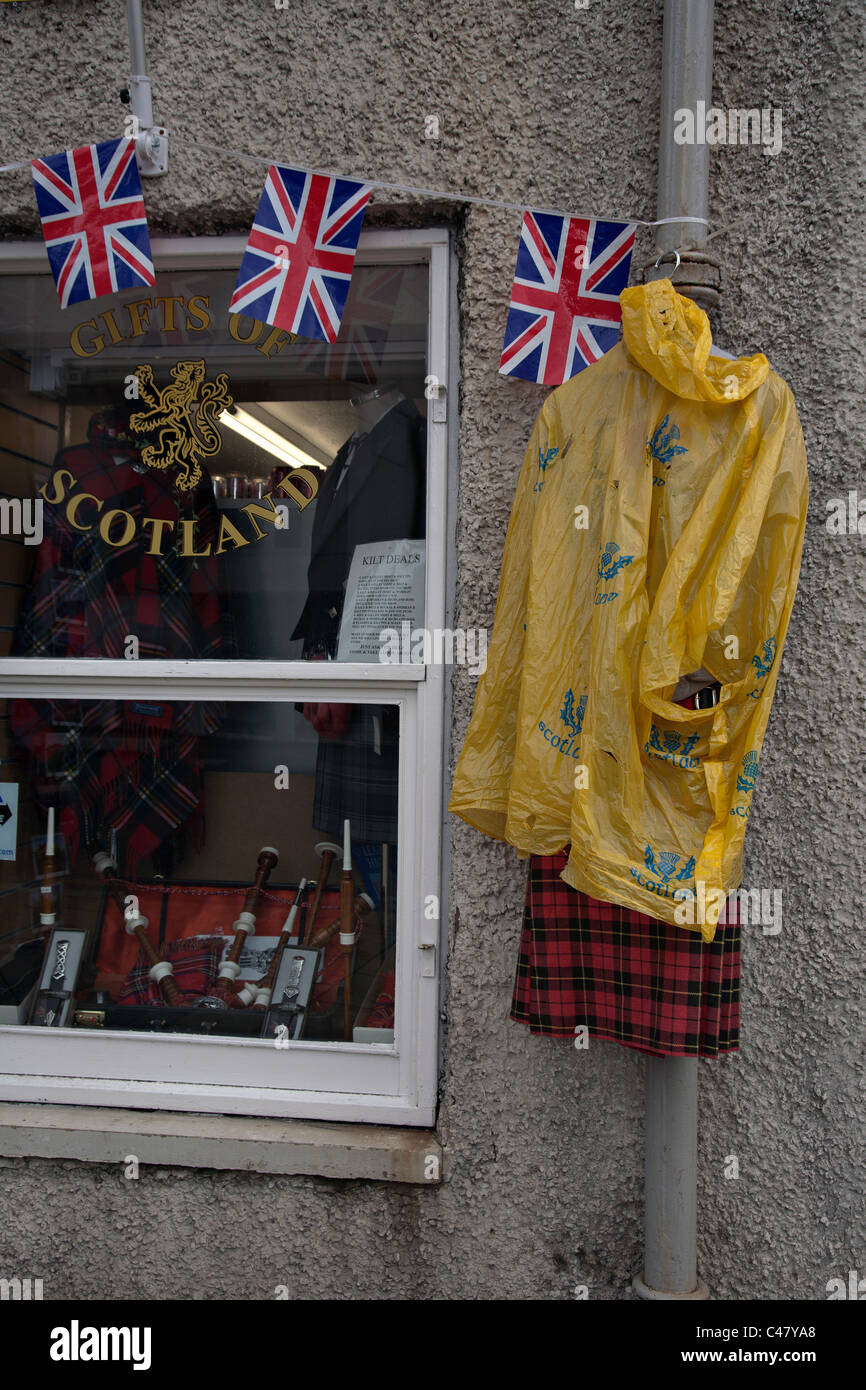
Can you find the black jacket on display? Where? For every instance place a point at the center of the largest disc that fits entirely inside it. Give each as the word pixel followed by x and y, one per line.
pixel 381 498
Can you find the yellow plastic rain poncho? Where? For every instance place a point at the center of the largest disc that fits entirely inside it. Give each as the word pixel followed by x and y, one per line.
pixel 656 533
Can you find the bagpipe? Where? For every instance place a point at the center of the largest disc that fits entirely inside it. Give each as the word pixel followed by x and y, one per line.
pixel 161 971
pixel 300 930
pixel 229 993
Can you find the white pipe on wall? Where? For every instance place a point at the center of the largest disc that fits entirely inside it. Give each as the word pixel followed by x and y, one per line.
pixel 151 142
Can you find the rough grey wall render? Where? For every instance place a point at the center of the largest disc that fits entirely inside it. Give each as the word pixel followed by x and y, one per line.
pixel 543 103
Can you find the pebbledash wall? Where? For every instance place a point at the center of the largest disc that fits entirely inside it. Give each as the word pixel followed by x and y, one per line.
pixel 539 101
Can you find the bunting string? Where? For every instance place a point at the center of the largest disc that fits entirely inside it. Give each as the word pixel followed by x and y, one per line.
pixel 443 194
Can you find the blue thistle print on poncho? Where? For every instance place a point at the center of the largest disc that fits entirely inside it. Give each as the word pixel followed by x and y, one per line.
pixel 673 743
pixel 763 661
pixel 573 718
pixel 687 870
pixel 662 446
pixel 663 865
pixel 655 742
pixel 667 862
pixel 545 456
pixel 746 781
pixel 608 567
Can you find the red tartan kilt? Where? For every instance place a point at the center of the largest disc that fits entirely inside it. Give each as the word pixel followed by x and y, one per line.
pixel 629 978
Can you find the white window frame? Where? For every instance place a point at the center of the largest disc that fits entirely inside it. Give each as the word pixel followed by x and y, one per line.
pixel 244 1076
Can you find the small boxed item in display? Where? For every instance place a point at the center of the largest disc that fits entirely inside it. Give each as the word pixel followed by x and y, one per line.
pixel 59 975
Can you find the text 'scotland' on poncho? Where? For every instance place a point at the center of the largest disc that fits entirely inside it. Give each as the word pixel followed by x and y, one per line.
pixel 657 529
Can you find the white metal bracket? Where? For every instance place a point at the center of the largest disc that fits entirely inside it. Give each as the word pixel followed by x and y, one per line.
pixel 151 141
pixel 151 149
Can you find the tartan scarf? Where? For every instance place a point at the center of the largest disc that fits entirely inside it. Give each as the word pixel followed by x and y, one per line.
pixel 121 772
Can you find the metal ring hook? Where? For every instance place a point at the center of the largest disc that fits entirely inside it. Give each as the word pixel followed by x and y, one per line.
pixel 664 256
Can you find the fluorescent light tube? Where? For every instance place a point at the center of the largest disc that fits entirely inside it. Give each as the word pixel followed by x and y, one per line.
pixel 262 435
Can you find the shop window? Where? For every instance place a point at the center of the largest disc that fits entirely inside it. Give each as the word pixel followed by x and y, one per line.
pixel 174 837
pixel 214 539
pixel 197 484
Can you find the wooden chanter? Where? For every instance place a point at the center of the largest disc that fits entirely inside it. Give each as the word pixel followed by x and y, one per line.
pixel 160 971
pixel 226 989
pixel 265 986
pixel 327 852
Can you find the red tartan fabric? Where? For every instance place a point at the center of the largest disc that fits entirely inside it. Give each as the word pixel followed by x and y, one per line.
pixel 124 768
pixel 196 964
pixel 629 978
pixel 382 1013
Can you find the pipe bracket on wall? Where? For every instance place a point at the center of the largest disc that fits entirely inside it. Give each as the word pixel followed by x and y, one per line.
pixel 697 274
pixel 151 141
pixel 151 150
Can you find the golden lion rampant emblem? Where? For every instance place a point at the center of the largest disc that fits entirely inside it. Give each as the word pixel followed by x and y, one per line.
pixel 183 417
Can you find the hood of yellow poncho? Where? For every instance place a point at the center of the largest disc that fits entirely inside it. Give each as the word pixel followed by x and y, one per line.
pixel 669 337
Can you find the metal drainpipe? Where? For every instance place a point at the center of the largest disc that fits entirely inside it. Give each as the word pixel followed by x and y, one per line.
pixel 683 187
pixel 670 1254
pixel 151 142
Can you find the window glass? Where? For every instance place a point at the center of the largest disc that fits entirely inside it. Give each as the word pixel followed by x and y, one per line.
pixel 176 481
pixel 151 852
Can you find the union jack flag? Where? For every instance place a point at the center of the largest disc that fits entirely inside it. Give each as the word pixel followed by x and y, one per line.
pixel 93 220
pixel 300 254
pixel 565 310
pixel 358 352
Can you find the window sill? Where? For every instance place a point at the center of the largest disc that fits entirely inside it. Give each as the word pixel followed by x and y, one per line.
pixel 240 1143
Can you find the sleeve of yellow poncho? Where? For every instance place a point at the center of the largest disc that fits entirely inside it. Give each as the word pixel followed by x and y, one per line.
pixel 481 781
pixel 727 593
pixel 754 584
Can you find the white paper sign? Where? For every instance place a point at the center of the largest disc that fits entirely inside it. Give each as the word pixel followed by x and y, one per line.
pixel 385 589
pixel 256 955
pixel 8 819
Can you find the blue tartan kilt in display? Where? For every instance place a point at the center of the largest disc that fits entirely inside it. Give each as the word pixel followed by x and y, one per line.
pixel 626 977
pixel 356 777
